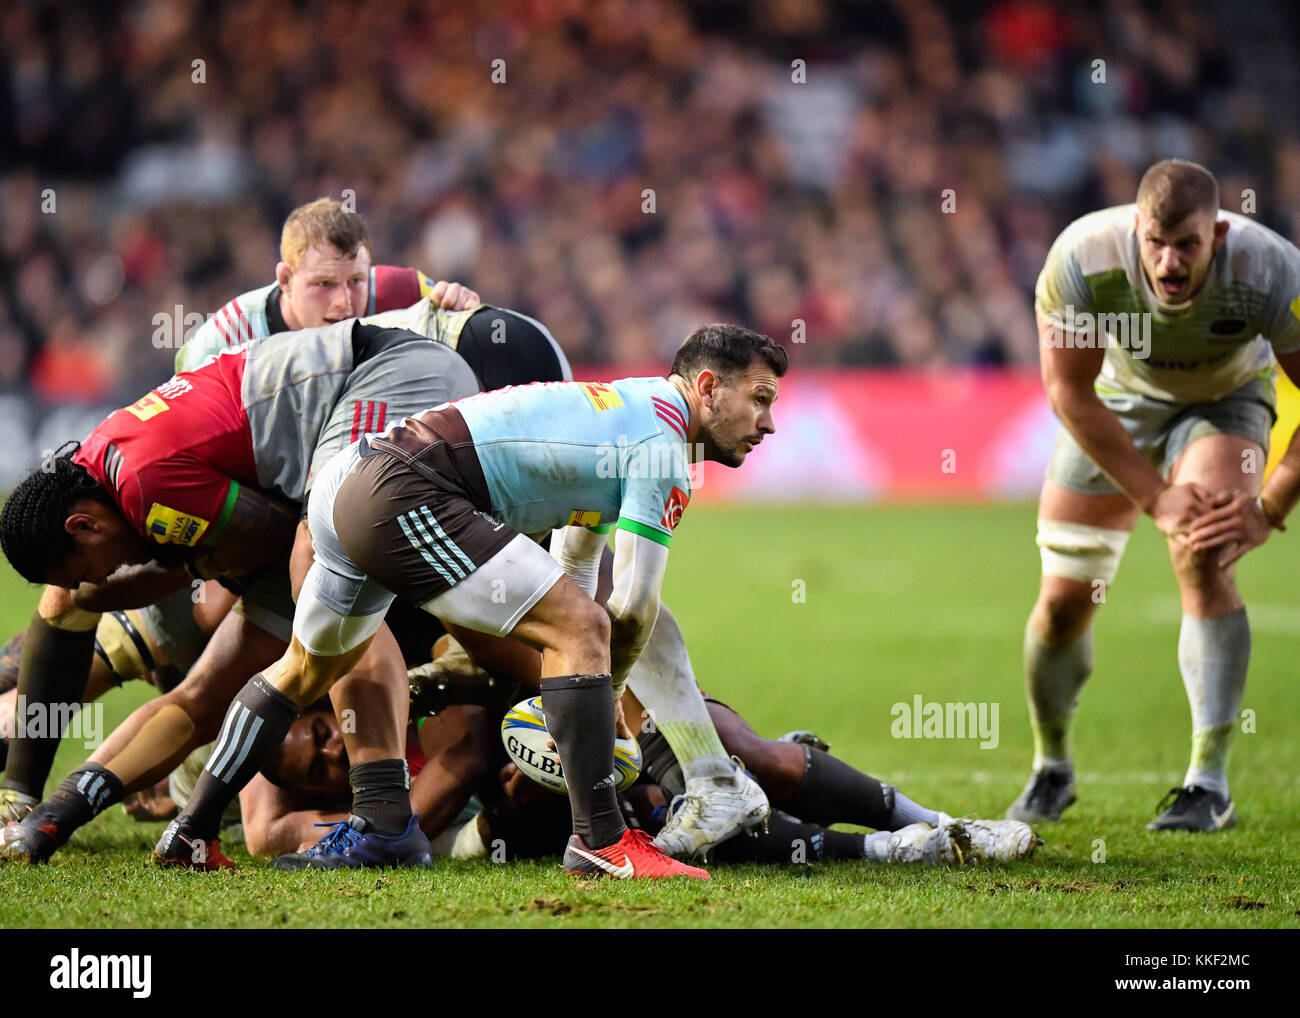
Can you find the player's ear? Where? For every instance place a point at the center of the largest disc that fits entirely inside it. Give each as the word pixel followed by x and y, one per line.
pixel 80 523
pixel 283 274
pixel 705 383
pixel 1220 234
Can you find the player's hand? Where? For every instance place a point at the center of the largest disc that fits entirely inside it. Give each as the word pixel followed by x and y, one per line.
pixel 620 723
pixel 1240 525
pixel 453 296
pixel 1178 506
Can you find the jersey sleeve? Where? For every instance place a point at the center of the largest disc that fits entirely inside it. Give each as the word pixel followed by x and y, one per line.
pixel 656 488
pixel 397 288
pixel 227 328
pixel 181 502
pixel 1061 284
pixel 1281 320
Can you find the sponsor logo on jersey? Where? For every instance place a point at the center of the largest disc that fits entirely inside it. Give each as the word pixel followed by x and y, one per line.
pixel 584 518
pixel 148 406
pixel 171 526
pixel 601 396
pixel 677 500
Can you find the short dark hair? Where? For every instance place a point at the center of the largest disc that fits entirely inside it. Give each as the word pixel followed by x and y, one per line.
pixel 728 350
pixel 31 523
pixel 1174 189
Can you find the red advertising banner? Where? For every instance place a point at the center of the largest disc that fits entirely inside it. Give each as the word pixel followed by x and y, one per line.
pixel 863 435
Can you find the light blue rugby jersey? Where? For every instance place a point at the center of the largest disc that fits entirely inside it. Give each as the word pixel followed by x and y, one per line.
pixel 584 454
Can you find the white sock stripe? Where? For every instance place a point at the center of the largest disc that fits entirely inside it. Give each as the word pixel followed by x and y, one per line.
pixel 406 529
pixel 218 747
pixel 227 750
pixel 248 744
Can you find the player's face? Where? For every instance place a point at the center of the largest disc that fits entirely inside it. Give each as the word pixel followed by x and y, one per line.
pixel 315 763
pixel 1177 259
pixel 327 287
pixel 737 414
pixel 102 541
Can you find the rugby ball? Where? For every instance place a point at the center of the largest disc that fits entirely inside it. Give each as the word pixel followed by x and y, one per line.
pixel 524 734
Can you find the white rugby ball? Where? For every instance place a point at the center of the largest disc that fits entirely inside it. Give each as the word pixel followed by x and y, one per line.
pixel 523 731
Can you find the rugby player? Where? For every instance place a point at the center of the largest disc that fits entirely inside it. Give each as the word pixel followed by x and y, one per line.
pixel 436 512
pixel 1160 323
pixel 207 471
pixel 324 275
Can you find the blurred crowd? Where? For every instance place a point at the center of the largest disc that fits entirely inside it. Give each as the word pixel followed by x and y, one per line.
pixel 875 181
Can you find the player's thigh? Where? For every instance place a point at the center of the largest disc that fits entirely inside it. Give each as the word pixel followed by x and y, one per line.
pixel 237 651
pixel 1081 541
pixel 1221 462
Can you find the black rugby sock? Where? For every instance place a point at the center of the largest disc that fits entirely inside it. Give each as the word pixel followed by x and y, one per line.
pixel 832 792
pixel 54 668
pixel 82 796
pixel 792 841
pixel 381 795
pixel 257 722
pixel 579 713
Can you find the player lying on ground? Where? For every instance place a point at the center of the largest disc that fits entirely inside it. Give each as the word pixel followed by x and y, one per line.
pixel 182 476
pixel 408 515
pixel 1159 325
pixel 324 276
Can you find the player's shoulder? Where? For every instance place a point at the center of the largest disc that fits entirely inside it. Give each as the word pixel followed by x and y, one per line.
pixel 659 399
pixel 1256 255
pixel 393 287
pixel 1097 242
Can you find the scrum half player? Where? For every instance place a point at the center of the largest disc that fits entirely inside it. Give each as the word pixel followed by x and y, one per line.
pixel 408 515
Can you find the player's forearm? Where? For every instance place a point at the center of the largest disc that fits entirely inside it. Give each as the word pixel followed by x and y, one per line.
pixel 1104 439
pixel 1282 490
pixel 290 832
pixel 628 635
pixel 133 587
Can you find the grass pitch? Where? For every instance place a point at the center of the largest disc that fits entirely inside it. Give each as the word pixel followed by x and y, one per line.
pixel 825 618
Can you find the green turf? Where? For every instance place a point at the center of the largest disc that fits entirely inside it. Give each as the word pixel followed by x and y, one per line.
pixel 898 601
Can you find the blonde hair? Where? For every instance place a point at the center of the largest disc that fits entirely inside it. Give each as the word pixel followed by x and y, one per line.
pixel 1174 189
pixel 323 221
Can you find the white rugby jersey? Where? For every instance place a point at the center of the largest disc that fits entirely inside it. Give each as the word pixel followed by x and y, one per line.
pixel 1246 310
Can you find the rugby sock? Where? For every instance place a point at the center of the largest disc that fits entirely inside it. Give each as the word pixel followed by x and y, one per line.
pixel 1213 655
pixel 82 796
pixel 792 841
pixel 54 670
pixel 658 764
pixel 579 713
pixel 381 795
pixel 832 792
pixel 257 722
pixel 1054 674
pixel 663 680
pixel 908 812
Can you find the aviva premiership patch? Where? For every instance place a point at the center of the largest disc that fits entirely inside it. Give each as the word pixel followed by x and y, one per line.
pixel 168 526
pixel 601 396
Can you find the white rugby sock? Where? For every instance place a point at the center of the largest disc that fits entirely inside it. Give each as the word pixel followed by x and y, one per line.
pixel 1213 655
pixel 1054 674
pixel 663 680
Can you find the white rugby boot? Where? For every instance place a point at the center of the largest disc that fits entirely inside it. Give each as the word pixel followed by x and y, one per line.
pixel 998 840
pixel 944 845
pixel 710 811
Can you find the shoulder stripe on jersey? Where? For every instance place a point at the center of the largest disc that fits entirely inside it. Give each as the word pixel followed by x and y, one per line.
pixel 669 414
pixel 246 330
pixel 112 464
pixel 221 326
pixel 641 530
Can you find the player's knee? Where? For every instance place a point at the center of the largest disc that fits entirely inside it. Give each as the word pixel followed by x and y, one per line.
pixel 585 632
pixel 1061 613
